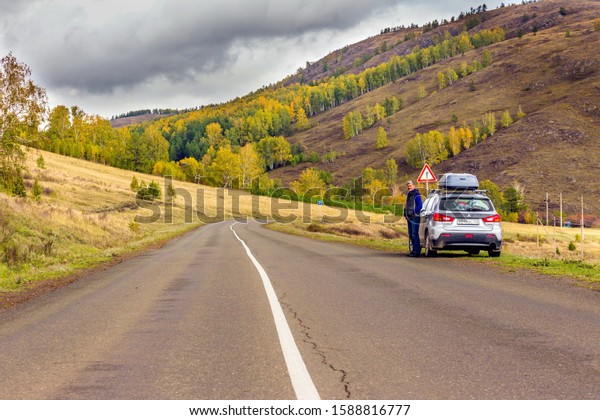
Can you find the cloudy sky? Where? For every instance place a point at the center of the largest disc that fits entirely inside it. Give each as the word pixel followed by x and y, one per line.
pixel 114 56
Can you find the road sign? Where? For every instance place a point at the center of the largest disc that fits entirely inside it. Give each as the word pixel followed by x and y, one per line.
pixel 426 175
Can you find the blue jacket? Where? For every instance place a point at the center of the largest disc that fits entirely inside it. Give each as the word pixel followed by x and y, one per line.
pixel 414 204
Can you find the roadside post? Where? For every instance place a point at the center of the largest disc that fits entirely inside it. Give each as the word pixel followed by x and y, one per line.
pixel 426 176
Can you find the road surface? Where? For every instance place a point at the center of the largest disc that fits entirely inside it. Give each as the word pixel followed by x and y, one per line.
pixel 193 320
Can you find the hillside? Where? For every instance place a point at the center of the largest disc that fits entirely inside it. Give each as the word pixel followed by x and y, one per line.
pixel 552 76
pixel 535 65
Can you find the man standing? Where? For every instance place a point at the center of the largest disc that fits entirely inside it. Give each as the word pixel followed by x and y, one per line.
pixel 412 211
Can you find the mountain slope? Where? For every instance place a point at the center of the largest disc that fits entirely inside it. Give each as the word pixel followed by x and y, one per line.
pixel 552 74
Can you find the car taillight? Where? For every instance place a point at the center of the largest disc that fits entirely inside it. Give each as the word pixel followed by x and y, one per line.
pixel 437 217
pixel 492 219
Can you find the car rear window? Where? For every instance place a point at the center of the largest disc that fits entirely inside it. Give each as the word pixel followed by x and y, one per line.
pixel 466 204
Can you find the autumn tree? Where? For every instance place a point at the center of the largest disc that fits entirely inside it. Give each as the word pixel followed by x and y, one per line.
pixel 441 77
pixel 426 148
pixel 225 168
pixel 352 124
pixel 392 105
pixel 489 123
pixel 391 173
pixel 506 120
pixel 22 109
pixel 214 135
pixel 382 139
pixel 301 120
pixel 274 151
pixel 309 182
pixel 59 127
pixel 251 165
pixel 454 142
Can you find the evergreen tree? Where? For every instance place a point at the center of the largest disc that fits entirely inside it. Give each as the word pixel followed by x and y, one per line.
pixel 135 185
pixel 36 192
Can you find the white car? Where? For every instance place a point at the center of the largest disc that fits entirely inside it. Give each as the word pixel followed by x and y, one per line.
pixel 460 218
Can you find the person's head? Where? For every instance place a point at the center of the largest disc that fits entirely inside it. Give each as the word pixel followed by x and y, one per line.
pixel 410 185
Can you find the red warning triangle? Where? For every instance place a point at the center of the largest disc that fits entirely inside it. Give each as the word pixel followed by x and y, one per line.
pixel 426 175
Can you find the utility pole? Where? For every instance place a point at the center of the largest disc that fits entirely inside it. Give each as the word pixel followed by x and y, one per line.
pixel 582 220
pixel 547 220
pixel 561 212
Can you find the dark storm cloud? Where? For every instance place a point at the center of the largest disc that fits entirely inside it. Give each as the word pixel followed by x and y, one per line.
pixel 82 46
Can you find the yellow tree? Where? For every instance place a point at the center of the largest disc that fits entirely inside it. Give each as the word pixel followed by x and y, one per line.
pixel 225 168
pixel 214 134
pixel 250 165
pixel 454 143
pixel 466 136
pixel 301 119
pixel 464 43
pixel 191 168
pixel 309 182
pixel 382 139
pixel 506 120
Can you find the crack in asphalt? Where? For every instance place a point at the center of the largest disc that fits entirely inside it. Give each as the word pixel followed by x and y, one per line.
pixel 308 339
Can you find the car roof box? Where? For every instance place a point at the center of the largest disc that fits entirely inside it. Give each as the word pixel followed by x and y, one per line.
pixel 460 182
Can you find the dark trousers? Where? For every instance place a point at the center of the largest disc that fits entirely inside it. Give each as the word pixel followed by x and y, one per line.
pixel 413 234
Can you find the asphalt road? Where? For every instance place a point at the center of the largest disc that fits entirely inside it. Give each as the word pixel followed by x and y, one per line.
pixel 193 321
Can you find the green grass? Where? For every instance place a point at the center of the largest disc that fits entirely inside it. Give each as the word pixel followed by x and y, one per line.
pixel 586 274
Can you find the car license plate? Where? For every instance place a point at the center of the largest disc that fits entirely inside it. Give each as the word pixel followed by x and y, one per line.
pixel 468 222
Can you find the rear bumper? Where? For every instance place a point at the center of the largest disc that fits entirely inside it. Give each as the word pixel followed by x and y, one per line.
pixel 466 241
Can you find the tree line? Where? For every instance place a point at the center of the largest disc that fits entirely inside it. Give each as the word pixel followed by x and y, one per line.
pixel 434 147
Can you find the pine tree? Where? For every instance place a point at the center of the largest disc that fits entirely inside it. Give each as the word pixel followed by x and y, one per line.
pixel 135 185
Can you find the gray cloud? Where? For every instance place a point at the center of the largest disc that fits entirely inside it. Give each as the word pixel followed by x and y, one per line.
pixel 96 50
pixel 207 49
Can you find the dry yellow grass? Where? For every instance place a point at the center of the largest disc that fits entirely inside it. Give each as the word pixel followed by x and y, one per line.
pixel 88 215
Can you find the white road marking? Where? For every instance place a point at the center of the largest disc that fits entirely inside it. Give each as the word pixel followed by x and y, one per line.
pixel 301 381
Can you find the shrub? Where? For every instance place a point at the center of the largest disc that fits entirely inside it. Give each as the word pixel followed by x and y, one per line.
pixel 150 193
pixel 572 246
pixel 41 163
pixel 134 227
pixel 36 190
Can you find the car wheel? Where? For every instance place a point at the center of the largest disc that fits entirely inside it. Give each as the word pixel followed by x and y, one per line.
pixel 494 253
pixel 429 251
